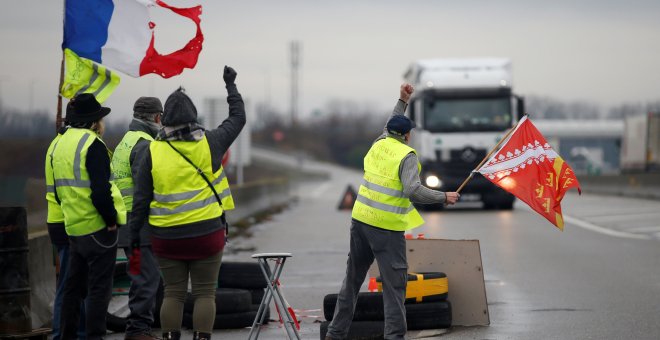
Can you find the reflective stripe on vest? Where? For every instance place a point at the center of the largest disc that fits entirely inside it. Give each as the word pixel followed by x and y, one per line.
pixel 181 196
pixel 121 165
pixel 73 186
pixel 55 214
pixel 380 201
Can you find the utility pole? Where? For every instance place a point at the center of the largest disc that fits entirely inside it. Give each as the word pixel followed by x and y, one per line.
pixel 295 65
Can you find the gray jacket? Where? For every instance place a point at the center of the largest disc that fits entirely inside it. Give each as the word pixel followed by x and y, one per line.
pixel 408 174
pixel 137 125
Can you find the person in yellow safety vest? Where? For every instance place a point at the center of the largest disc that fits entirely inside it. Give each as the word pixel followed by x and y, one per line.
pixel 92 208
pixel 382 212
pixel 147 112
pixel 59 239
pixel 183 193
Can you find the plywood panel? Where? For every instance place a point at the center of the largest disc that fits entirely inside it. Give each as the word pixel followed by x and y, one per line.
pixel 461 261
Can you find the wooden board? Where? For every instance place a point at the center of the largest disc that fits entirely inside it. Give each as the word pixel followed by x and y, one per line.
pixel 461 261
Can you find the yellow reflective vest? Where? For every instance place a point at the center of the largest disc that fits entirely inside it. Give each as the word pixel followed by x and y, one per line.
pixel 121 165
pixel 380 200
pixel 73 186
pixel 181 196
pixel 55 214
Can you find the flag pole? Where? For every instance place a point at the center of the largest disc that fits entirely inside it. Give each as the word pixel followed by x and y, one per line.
pixel 492 151
pixel 58 115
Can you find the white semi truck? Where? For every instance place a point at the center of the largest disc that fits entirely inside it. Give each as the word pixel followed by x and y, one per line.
pixel 462 107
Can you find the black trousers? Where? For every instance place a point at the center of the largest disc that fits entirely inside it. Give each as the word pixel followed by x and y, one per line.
pixel 91 267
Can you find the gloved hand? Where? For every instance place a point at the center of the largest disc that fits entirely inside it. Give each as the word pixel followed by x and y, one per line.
pixel 229 75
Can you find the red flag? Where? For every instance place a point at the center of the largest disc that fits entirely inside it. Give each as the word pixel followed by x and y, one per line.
pixel 530 169
pixel 172 64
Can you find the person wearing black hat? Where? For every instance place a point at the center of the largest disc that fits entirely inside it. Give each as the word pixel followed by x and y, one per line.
pixel 145 282
pixel 92 209
pixel 182 193
pixel 59 239
pixel 382 212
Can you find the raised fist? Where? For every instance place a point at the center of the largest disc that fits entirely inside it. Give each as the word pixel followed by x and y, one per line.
pixel 229 75
pixel 406 91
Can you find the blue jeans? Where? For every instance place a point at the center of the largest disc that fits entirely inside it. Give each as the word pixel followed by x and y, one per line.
pixel 63 254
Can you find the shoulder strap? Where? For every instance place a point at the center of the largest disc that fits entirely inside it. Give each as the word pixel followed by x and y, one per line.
pixel 199 171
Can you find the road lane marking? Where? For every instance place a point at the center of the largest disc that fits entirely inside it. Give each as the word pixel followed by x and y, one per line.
pixel 603 230
pixel 648 229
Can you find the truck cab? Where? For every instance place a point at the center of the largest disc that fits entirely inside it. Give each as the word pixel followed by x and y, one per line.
pixel 462 107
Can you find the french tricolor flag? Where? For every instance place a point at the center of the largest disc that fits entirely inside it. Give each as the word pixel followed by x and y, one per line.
pixel 119 34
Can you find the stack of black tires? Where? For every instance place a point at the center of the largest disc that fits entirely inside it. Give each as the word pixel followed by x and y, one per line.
pixel 426 305
pixel 241 286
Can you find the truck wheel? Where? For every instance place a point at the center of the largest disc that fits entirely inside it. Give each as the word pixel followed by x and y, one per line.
pixel 507 206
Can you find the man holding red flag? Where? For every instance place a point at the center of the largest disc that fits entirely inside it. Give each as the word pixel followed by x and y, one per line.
pixel 528 167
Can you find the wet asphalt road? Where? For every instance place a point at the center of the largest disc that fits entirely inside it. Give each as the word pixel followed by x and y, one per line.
pixel 598 279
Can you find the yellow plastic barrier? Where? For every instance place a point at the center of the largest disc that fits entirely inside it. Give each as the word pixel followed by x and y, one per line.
pixel 423 287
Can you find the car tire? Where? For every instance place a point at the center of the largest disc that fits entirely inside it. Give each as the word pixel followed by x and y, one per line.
pixel 369 307
pixel 428 315
pixel 244 275
pixel 225 321
pixel 257 295
pixel 227 300
pixel 255 308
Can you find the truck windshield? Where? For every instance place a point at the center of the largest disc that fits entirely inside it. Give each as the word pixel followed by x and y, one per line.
pixel 467 114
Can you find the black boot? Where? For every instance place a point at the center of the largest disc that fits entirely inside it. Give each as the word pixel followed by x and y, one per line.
pixel 201 336
pixel 173 335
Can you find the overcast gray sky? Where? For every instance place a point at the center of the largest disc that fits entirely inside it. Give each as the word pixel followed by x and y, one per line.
pixel 603 51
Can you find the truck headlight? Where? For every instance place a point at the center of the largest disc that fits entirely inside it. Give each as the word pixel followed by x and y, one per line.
pixel 433 181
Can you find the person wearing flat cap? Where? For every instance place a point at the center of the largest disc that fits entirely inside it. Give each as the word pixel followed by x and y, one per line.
pixel 182 194
pixel 382 212
pixel 147 113
pixel 93 208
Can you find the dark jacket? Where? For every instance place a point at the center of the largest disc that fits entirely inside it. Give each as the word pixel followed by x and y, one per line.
pixel 98 168
pixel 219 140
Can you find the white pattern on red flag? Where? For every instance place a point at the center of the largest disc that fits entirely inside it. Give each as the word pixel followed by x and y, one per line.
pixel 528 167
